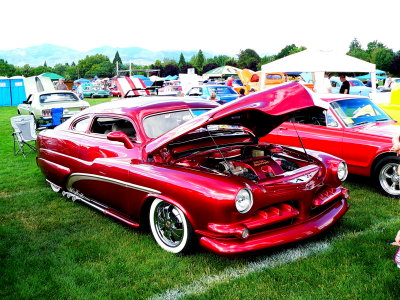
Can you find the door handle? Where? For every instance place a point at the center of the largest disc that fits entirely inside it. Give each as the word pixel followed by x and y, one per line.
pixel 282 128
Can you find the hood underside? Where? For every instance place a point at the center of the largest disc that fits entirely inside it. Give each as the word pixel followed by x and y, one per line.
pixel 260 112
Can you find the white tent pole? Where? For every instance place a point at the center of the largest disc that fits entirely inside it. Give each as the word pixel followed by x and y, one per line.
pixel 373 82
pixel 262 80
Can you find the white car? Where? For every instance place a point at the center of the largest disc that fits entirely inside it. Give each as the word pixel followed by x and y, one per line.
pixel 40 104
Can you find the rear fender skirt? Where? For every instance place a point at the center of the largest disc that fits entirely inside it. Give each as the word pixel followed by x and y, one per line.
pixel 85 176
pixel 74 196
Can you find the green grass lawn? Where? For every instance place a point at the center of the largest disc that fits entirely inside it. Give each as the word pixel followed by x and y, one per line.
pixel 54 248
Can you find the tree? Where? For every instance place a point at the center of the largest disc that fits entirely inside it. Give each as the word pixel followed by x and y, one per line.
pixel 181 60
pixel 209 67
pixel 199 61
pixel 116 59
pixel 183 69
pixel 374 45
pixel 6 69
pixel 221 60
pixel 382 57
pixel 232 62
pixel 88 65
pixel 354 45
pixel 60 69
pixel 395 65
pixel 248 58
pixel 170 69
pixel 290 49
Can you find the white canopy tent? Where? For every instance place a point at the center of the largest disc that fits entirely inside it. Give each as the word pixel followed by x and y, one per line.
pixel 318 62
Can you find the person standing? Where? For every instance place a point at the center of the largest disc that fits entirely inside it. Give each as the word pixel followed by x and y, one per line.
pixel 79 90
pixel 61 85
pixel 345 88
pixel 229 82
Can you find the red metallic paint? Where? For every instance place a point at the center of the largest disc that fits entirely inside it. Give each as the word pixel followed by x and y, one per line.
pixel 106 173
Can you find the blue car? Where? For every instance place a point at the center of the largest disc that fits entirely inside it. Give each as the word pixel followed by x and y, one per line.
pixel 356 86
pixel 224 93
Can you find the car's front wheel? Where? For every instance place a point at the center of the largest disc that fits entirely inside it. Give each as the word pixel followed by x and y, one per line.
pixel 387 176
pixel 170 228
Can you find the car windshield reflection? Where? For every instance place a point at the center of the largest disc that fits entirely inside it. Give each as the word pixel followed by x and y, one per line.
pixel 355 112
pixel 158 124
pixel 58 97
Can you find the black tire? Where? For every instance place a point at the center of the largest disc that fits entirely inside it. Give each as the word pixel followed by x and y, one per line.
pixel 170 227
pixel 386 176
pixel 18 111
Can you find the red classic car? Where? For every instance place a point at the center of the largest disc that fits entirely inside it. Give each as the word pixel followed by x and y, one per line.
pixel 353 128
pixel 195 173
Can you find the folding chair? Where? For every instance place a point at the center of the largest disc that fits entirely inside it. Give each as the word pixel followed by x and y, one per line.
pixel 23 133
pixel 56 118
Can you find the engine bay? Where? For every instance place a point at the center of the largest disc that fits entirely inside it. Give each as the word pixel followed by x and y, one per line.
pixel 254 163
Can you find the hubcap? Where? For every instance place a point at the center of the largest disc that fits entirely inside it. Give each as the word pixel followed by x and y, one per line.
pixel 168 222
pixel 389 179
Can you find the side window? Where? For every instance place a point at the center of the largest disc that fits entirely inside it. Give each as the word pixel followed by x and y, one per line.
pixel 81 125
pixel 330 120
pixel 105 125
pixel 310 116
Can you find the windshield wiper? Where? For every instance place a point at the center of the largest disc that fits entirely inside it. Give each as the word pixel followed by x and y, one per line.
pixel 361 123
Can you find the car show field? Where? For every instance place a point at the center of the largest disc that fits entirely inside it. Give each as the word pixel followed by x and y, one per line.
pixel 51 247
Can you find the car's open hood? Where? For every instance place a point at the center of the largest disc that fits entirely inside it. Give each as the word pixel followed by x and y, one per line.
pixel 260 112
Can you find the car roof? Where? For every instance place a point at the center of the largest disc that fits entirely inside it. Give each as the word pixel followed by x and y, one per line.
pixel 54 92
pixel 335 97
pixel 149 105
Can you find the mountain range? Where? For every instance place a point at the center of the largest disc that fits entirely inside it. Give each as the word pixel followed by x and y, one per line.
pixel 52 55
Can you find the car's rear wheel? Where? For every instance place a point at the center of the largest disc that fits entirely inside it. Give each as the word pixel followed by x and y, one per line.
pixel 170 228
pixel 387 176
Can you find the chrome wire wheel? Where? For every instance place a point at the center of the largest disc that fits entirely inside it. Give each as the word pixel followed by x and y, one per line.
pixel 169 226
pixel 389 178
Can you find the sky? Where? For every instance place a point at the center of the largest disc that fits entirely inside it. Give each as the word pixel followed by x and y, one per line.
pixel 219 26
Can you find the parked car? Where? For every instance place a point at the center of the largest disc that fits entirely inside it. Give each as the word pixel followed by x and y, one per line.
pixel 115 92
pixel 251 79
pixel 355 129
pixel 199 179
pixel 356 86
pixel 224 93
pixel 90 90
pixel 40 104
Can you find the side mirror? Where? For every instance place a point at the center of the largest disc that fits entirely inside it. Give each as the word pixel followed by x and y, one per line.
pixel 120 136
pixel 26 102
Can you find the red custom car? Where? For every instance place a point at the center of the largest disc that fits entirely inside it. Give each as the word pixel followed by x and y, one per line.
pixel 195 173
pixel 353 128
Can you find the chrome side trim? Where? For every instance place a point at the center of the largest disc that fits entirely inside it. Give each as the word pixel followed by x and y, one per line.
pixel 84 176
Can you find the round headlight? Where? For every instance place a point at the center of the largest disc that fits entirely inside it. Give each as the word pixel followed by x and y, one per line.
pixel 342 171
pixel 244 201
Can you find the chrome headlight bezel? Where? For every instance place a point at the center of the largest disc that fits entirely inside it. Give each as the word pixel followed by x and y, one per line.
pixel 244 200
pixel 342 171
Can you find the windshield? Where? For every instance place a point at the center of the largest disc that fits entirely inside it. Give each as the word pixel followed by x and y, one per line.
pixel 355 112
pixel 156 125
pixel 58 97
pixel 222 90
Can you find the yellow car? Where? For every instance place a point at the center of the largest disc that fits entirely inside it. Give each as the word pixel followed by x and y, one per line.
pixel 251 79
pixel 393 107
